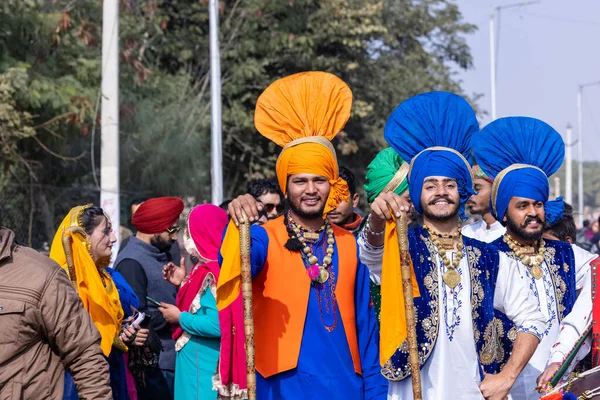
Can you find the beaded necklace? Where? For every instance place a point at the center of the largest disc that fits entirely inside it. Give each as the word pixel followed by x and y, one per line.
pixel 317 273
pixel 443 243
pixel 525 254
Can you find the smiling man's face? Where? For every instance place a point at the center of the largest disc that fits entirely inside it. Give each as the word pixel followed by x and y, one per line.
pixel 439 198
pixel 525 219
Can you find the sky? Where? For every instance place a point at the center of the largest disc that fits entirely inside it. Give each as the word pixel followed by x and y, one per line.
pixel 544 52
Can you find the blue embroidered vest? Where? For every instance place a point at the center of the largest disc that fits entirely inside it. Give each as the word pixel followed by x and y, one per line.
pixel 560 260
pixel 483 270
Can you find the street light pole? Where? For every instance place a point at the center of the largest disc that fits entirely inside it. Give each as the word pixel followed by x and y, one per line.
pixel 580 148
pixel 493 64
pixel 216 170
pixel 109 158
pixel 494 11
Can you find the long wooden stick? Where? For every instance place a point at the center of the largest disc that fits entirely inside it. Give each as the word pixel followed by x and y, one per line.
pixel 68 249
pixel 247 296
pixel 409 307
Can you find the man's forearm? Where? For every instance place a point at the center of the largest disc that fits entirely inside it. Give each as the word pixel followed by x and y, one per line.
pixel 523 349
pixel 90 373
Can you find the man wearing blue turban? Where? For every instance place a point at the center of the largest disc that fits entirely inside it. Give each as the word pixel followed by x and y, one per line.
pixel 520 154
pixel 461 280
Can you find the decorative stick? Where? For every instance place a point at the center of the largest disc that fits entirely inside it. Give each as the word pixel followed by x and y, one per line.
pixel 68 249
pixel 247 296
pixel 411 318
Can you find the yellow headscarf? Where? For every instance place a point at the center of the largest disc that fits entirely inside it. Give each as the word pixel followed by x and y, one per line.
pixel 102 303
pixel 301 113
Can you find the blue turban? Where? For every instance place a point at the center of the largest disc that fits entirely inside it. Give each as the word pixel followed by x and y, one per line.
pixel 520 153
pixel 434 131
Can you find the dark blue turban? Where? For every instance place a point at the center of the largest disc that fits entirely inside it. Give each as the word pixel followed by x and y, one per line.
pixel 434 131
pixel 520 153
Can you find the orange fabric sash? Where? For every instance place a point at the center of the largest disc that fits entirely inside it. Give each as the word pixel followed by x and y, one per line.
pixel 280 301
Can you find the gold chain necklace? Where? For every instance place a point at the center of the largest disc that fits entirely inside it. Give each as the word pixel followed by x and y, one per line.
pixel 323 274
pixel 443 243
pixel 525 254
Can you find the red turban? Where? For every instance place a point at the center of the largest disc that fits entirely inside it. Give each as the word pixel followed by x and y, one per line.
pixel 157 215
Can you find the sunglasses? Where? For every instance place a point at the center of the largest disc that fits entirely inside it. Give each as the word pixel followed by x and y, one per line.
pixel 173 230
pixel 270 206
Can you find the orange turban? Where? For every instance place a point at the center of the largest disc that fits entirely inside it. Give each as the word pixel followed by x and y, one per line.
pixel 302 113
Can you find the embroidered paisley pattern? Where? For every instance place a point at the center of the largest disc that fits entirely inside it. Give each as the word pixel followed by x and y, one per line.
pixel 429 324
pixel 482 267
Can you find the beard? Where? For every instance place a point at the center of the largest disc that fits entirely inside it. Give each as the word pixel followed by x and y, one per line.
pixel 442 216
pixel 295 206
pixel 161 244
pixel 513 227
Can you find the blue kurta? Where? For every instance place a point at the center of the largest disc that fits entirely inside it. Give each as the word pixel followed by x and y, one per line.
pixel 196 362
pixel 325 368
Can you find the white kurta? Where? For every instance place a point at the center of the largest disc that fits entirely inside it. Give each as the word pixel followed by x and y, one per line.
pixel 479 231
pixel 544 291
pixel 371 256
pixel 452 370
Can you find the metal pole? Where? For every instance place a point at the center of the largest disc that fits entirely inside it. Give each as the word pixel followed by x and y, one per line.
pixel 495 10
pixel 109 161
pixel 493 64
pixel 216 171
pixel 580 154
pixel 569 166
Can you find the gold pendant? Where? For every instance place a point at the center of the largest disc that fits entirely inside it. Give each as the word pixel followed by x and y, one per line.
pixel 451 278
pixel 323 275
pixel 537 272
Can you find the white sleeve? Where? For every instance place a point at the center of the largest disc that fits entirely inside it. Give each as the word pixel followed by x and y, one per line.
pixel 371 256
pixel 573 326
pixel 582 265
pixel 513 297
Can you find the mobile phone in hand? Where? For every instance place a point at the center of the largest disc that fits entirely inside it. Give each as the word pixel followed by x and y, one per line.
pixel 151 300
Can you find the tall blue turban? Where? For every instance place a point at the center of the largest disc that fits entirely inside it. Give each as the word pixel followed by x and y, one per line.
pixel 520 153
pixel 434 131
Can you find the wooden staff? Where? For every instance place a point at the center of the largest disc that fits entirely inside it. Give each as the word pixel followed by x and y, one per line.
pixel 68 249
pixel 247 296
pixel 409 306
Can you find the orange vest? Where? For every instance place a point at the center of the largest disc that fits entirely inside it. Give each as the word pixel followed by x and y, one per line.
pixel 280 300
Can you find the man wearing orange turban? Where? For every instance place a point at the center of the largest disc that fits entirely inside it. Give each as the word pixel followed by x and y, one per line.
pixel 316 335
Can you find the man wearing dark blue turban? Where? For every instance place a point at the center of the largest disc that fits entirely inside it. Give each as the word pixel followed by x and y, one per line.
pixel 461 280
pixel 520 154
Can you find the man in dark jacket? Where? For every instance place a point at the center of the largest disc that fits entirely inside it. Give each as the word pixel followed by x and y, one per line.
pixel 141 263
pixel 44 330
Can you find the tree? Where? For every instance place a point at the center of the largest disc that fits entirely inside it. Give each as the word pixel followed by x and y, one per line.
pixel 386 51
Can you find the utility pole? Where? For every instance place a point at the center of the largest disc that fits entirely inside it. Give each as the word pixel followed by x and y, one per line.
pixel 216 170
pixel 109 161
pixel 556 186
pixel 580 148
pixel 493 63
pixel 569 166
pixel 496 11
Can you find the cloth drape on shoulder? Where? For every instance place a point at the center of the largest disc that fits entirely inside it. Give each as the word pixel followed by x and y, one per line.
pixel 393 315
pixel 102 303
pixel 520 153
pixel 302 113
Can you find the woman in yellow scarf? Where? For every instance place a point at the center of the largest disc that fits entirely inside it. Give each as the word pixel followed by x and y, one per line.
pixel 82 246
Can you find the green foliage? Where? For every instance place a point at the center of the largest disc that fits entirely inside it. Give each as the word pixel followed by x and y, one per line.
pixel 386 50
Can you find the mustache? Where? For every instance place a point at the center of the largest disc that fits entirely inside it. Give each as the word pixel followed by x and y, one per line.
pixel 531 219
pixel 442 197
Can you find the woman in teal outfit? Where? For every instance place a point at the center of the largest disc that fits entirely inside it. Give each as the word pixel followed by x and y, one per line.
pixel 195 318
